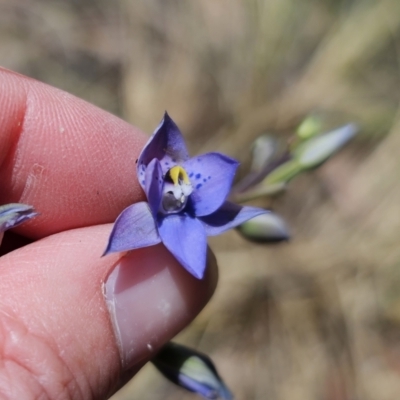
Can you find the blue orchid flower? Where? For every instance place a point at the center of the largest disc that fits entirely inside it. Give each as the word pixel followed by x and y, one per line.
pixel 14 214
pixel 186 201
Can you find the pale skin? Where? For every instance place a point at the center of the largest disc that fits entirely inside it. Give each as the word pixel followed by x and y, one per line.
pixel 76 165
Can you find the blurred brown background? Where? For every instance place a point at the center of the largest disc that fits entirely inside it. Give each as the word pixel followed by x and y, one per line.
pixel 316 318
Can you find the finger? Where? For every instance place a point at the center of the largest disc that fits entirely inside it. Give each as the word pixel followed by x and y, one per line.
pixel 61 338
pixel 74 162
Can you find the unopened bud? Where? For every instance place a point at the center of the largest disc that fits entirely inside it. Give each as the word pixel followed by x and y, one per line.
pixel 11 215
pixel 316 150
pixel 310 127
pixel 191 370
pixel 263 150
pixel 265 228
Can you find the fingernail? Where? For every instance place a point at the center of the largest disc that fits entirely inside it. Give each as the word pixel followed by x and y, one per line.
pixel 150 298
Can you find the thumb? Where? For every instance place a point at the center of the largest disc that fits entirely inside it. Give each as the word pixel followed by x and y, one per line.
pixel 73 323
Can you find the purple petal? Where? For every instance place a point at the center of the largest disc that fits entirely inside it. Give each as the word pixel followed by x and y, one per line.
pixel 134 228
pixel 186 239
pixel 166 144
pixel 14 214
pixel 211 176
pixel 154 185
pixel 229 216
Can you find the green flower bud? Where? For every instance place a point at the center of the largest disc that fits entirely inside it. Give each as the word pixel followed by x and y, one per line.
pixel 310 127
pixel 315 151
pixel 265 228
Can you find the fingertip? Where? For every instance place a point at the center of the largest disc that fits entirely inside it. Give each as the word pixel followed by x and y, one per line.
pixel 151 297
pixel 73 161
pixel 13 97
pixel 62 293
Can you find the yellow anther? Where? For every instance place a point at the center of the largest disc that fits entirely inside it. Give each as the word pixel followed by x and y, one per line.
pixel 178 174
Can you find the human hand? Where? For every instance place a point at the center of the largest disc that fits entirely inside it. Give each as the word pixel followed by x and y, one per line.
pixel 60 335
